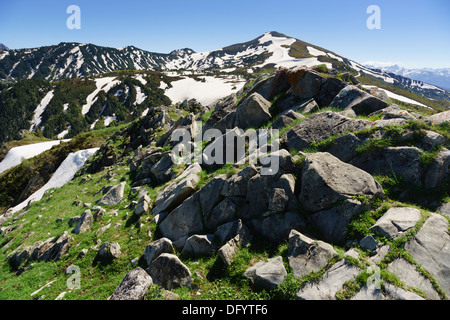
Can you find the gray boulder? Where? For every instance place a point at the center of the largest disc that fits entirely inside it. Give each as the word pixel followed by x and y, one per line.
pixel 169 272
pixel 267 275
pixel 305 84
pixel 133 286
pixel 142 205
pixel 185 220
pixel 396 221
pixel 357 100
pixel 199 245
pixel 440 118
pixel 154 249
pixel 176 192
pixel 252 112
pixel 84 223
pixel 307 255
pixel 113 196
pixel 326 180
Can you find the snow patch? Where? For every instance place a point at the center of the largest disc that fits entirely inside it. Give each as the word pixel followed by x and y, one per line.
pixel 397 96
pixel 102 84
pixel 62 175
pixel 17 154
pixel 37 117
pixel 315 52
pixel 207 92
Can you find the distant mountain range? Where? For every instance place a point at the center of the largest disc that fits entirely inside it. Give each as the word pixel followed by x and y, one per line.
pixel 3 47
pixel 438 77
pixel 269 51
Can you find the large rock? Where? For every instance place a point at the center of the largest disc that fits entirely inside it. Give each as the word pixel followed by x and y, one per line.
pixel 305 84
pixel 154 249
pixel 184 220
pixel 396 221
pixel 169 272
pixel 113 196
pixel 307 255
pixel 210 194
pixel 176 192
pixel 84 222
pixel 440 118
pixel 268 274
pixel 161 171
pixel 133 286
pixel 320 126
pixel 404 162
pixel 331 282
pixel 199 245
pixel 439 169
pixel 326 180
pixel 357 100
pixel 430 247
pixel 252 112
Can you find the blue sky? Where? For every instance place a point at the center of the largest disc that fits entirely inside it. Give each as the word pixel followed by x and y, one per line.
pixel 413 33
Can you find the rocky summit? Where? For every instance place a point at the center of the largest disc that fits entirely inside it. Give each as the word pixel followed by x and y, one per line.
pixel 345 196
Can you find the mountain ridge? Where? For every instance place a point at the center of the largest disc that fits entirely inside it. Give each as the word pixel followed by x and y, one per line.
pixel 268 51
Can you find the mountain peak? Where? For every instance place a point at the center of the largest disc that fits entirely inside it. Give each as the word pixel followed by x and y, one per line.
pixel 3 47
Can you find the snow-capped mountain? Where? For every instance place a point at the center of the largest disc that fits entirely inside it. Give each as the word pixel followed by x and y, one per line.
pixel 437 77
pixel 267 52
pixel 69 60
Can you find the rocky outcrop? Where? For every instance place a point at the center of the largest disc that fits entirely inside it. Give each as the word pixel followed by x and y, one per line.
pixel 51 249
pixel 320 126
pixel 430 247
pixel 326 180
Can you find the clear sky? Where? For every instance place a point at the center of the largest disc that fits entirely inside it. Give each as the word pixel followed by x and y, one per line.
pixel 414 33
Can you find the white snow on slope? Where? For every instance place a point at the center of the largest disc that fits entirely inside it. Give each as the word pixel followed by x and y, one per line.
pixel 398 97
pixel 206 92
pixel 17 154
pixel 37 117
pixel 140 96
pixel 280 57
pixel 102 84
pixel 315 52
pixel 62 175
